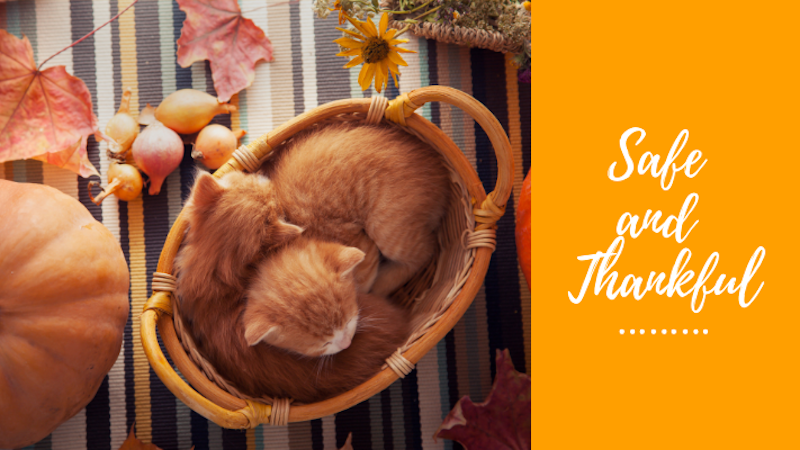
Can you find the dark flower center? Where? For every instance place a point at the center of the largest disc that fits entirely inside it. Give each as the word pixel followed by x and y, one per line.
pixel 375 50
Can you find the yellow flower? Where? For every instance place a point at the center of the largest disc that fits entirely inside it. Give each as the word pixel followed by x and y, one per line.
pixel 337 5
pixel 376 48
pixel 526 5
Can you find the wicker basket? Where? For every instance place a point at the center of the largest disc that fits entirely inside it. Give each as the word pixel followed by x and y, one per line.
pixel 466 240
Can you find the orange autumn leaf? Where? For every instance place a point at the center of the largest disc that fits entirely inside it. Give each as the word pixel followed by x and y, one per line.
pixel 215 30
pixel 348 444
pixel 133 443
pixel 45 115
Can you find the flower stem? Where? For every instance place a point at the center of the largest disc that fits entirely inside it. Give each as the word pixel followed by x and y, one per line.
pixel 400 33
pixel 91 33
pixel 426 13
pixel 410 10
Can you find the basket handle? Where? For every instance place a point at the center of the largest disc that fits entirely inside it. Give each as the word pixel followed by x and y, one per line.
pixel 492 209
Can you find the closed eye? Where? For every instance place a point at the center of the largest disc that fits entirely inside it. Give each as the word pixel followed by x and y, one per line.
pixel 326 344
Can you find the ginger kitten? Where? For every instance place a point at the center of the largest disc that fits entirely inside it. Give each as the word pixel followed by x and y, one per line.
pixel 341 180
pixel 232 222
pixel 302 330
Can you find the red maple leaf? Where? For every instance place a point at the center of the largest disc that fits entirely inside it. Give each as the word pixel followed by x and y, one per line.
pixel 501 422
pixel 46 115
pixel 216 30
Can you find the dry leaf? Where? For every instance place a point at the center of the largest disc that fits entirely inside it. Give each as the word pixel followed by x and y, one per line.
pixel 216 30
pixel 348 444
pixel 147 115
pixel 501 422
pixel 44 115
pixel 133 443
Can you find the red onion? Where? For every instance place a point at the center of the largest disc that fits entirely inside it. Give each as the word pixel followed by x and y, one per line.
pixel 157 152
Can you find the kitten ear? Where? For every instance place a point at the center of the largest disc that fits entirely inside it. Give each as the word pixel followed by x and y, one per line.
pixel 256 331
pixel 348 259
pixel 284 232
pixel 206 190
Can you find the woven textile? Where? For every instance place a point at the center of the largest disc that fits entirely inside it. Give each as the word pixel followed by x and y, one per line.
pixel 138 52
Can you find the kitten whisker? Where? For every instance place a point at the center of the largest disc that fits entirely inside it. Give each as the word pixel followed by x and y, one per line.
pixel 367 323
pixel 324 360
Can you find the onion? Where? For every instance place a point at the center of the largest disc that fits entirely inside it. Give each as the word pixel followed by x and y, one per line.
pixel 124 181
pixel 122 128
pixel 147 115
pixel 188 110
pixel 215 144
pixel 157 152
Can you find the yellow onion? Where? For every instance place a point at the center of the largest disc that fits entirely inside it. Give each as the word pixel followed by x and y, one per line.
pixel 122 128
pixel 157 152
pixel 188 110
pixel 124 181
pixel 215 144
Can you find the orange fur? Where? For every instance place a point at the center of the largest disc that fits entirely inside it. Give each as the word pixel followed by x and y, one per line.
pixel 341 180
pixel 377 189
pixel 306 290
pixel 232 222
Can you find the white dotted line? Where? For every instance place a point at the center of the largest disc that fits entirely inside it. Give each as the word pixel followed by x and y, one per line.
pixel 663 331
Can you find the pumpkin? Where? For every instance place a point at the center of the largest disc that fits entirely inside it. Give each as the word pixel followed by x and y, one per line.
pixel 523 228
pixel 63 307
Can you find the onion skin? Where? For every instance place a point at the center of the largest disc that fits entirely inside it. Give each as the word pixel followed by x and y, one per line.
pixel 124 181
pixel 187 111
pixel 157 152
pixel 215 144
pixel 122 128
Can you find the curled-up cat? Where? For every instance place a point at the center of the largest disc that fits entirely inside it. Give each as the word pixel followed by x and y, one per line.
pixel 302 330
pixel 341 180
pixel 232 221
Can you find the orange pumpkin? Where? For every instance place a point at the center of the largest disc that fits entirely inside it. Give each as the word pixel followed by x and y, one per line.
pixel 63 307
pixel 523 231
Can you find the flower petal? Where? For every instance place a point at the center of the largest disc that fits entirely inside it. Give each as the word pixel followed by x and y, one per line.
pixel 383 24
pixel 371 30
pixel 392 67
pixel 395 80
pixel 389 34
pixel 351 33
pixel 351 52
pixel 349 43
pixel 397 59
pixel 401 50
pixel 397 41
pixel 359 26
pixel 365 77
pixel 354 62
pixel 380 78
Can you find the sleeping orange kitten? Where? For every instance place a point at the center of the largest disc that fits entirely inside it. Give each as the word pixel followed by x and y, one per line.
pixel 302 330
pixel 232 222
pixel 374 188
pixel 342 180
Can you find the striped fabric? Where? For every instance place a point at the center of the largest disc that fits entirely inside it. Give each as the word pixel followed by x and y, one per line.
pixel 138 52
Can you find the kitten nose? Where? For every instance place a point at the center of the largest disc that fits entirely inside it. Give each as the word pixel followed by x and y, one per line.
pixel 343 342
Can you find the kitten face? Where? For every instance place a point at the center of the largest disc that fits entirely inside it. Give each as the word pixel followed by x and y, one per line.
pixel 303 298
pixel 240 207
pixel 341 339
